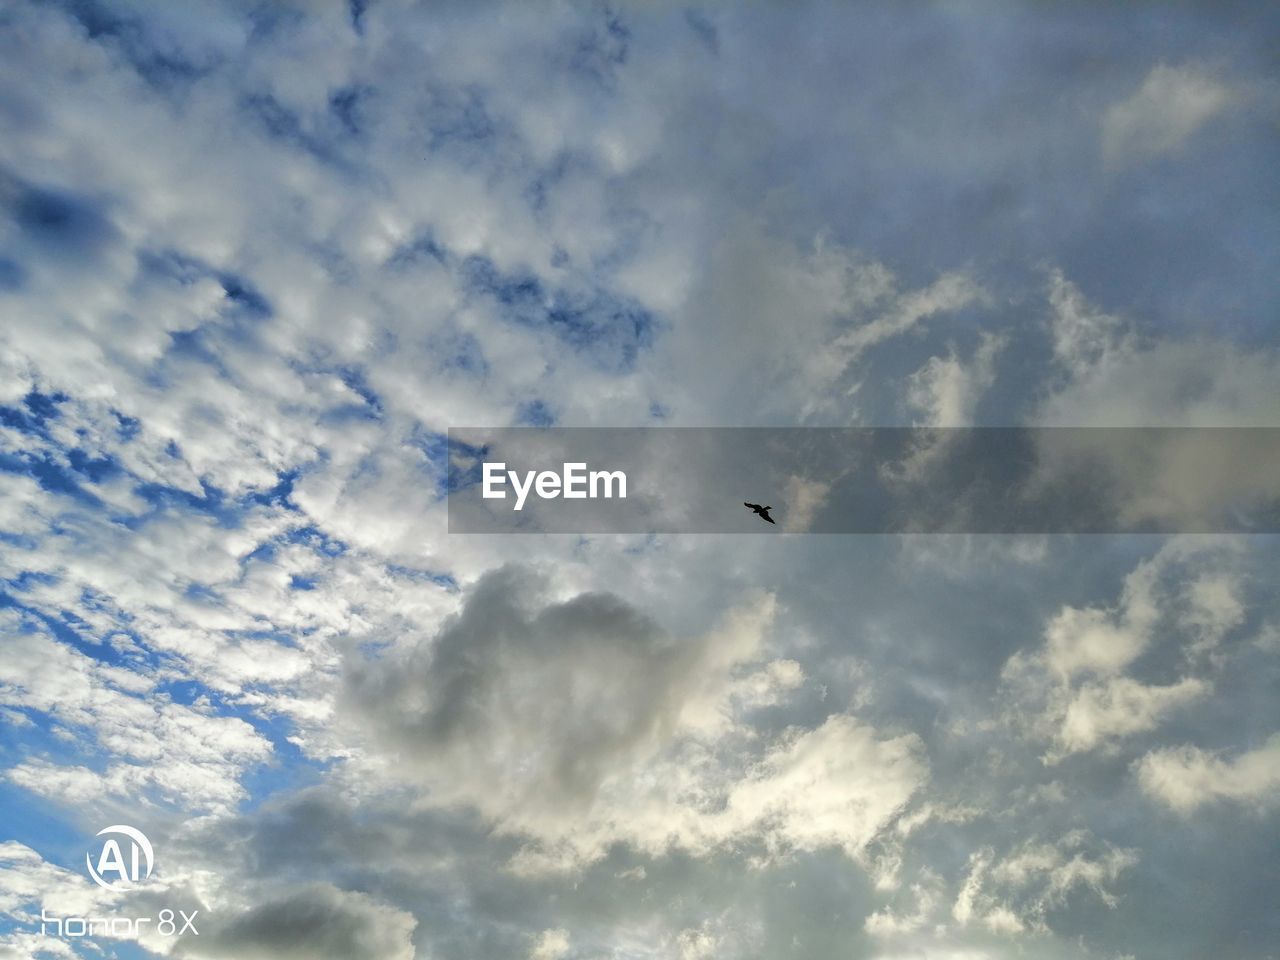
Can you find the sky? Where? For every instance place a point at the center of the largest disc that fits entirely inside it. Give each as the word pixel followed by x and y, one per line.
pixel 256 259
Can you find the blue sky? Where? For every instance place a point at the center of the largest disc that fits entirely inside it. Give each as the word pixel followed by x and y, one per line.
pixel 257 259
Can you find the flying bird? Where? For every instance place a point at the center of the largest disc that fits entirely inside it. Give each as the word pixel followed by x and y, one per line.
pixel 759 511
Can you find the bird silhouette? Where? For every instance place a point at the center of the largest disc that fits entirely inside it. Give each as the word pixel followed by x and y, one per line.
pixel 759 511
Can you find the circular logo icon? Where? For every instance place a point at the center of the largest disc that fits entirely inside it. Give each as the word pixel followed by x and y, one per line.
pixel 119 868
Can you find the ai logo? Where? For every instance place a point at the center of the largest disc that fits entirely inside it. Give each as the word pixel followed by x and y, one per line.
pixel 115 871
pixel 119 868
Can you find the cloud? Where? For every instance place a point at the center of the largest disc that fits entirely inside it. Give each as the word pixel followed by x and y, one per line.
pixel 837 785
pixel 579 722
pixel 1009 894
pixel 178 754
pixel 1163 113
pixel 804 499
pixel 524 704
pixel 805 317
pixel 1187 778
pixel 1075 689
pixel 946 390
pixel 1001 901
pixel 1116 375
pixel 550 945
pixel 319 922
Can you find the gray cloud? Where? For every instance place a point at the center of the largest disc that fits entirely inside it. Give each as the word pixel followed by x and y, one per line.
pixel 319 921
pixel 524 701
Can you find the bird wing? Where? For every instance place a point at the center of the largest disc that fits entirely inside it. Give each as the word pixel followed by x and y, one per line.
pixel 765 514
pixel 752 506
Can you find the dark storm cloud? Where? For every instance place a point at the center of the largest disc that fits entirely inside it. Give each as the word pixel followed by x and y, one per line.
pixel 316 922
pixel 523 699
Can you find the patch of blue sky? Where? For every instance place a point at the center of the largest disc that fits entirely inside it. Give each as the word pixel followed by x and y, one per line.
pixel 19 541
pixel 127 428
pixel 201 593
pixel 315 538
pixel 424 246
pixel 211 501
pixel 288 768
pixel 600 49
pixel 57 469
pixel 96 469
pixel 62 224
pixel 434 447
pixel 457 120
pixel 199 344
pixel 349 107
pixel 325 137
pixel 464 352
pixel 40 737
pixel 355 380
pixel 703 29
pixel 38 825
pixel 356 11
pixel 40 734
pixel 465 464
pixel 70 628
pixel 432 443
pixel 613 329
pixel 184 269
pixel 609 328
pixel 276 496
pixel 164 68
pixel 423 576
pixel 535 413
pixel 13 276
pixel 243 295
pixel 279 637
pixel 37 408
pixel 537 192
pixel 123 950
pixel 50 475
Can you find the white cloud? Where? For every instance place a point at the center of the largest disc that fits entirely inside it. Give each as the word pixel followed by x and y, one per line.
pixel 580 723
pixel 1163 113
pixel 1099 712
pixel 1015 892
pixel 182 755
pixel 1115 377
pixel 926 896
pixel 946 390
pixel 1187 778
pixel 804 499
pixel 1075 689
pixel 550 945
pixel 803 320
